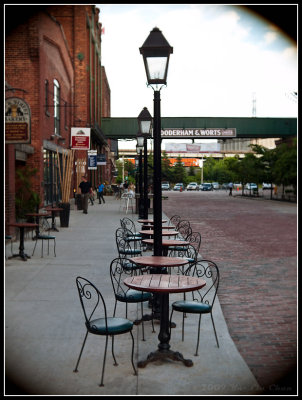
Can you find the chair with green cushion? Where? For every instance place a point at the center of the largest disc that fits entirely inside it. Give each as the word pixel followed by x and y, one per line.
pixel 47 237
pixel 129 224
pixel 189 252
pixel 119 271
pixel 126 247
pixel 98 323
pixel 200 301
pixel 184 229
pixel 174 220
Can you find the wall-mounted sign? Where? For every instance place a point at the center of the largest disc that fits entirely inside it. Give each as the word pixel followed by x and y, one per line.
pixel 218 133
pixel 92 157
pixel 80 138
pixel 101 159
pixel 17 121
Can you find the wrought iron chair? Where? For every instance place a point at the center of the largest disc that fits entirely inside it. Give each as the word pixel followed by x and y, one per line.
pixel 202 300
pixel 126 247
pixel 195 239
pixel 174 220
pixel 184 229
pixel 119 271
pixel 189 252
pixel 130 225
pixel 10 238
pixel 48 238
pixel 98 323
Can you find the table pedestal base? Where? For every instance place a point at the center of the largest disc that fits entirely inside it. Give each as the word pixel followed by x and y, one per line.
pixel 159 355
pixel 21 255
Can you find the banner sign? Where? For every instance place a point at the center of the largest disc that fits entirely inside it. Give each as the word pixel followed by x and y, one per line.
pixel 80 138
pixel 199 133
pixel 92 157
pixel 192 148
pixel 101 159
pixel 17 121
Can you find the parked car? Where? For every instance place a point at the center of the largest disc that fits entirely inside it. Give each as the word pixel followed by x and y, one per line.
pixel 165 186
pixel 251 186
pixel 206 186
pixel 267 186
pixel 178 187
pixel 215 185
pixel 193 186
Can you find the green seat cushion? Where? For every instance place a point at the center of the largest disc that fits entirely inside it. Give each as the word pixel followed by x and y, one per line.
pixel 133 238
pixel 130 267
pixel 115 326
pixel 194 307
pixel 130 251
pixel 133 296
pixel 46 237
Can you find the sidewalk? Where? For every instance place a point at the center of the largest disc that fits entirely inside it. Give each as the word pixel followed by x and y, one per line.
pixel 45 326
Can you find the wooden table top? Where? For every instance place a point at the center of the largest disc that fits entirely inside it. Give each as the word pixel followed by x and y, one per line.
pixel 164 283
pixel 148 227
pixel 54 209
pixel 38 214
pixel 149 221
pixel 23 224
pixel 164 232
pixel 159 261
pixel 168 242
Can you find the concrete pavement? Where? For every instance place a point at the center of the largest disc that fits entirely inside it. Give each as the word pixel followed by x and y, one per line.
pixel 44 325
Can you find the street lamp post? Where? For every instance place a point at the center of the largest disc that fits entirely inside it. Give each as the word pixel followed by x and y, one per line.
pixel 144 128
pixel 156 52
pixel 139 151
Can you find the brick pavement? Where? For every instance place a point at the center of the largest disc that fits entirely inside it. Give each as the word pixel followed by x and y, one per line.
pixel 254 242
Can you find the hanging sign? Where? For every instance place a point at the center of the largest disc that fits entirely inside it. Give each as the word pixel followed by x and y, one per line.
pixel 80 138
pixel 101 159
pixel 209 133
pixel 17 121
pixel 92 156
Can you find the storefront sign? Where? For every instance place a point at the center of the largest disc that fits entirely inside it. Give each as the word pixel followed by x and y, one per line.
pixel 17 121
pixel 199 133
pixel 80 138
pixel 101 159
pixel 92 159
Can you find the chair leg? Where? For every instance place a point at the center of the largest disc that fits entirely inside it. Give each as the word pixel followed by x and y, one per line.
pixel 114 308
pixel 214 330
pixel 42 248
pixel 143 330
pixel 196 353
pixel 104 361
pixel 112 350
pixel 132 353
pixel 183 327
pixel 82 348
pixel 35 247
pixel 54 247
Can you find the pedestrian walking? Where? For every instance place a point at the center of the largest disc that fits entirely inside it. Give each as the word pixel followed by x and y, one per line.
pixel 91 196
pixel 101 192
pixel 85 191
pixel 230 188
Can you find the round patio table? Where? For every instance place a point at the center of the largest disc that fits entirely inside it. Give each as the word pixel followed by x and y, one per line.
pixel 22 226
pixel 166 243
pixel 149 221
pixel 150 232
pixel 163 284
pixel 53 211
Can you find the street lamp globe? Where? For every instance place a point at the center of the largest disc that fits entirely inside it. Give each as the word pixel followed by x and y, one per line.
pixel 144 122
pixel 156 52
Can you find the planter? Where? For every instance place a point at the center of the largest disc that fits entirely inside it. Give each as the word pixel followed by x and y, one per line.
pixel 78 201
pixel 64 214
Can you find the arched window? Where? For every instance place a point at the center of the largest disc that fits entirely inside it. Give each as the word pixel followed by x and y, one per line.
pixel 56 98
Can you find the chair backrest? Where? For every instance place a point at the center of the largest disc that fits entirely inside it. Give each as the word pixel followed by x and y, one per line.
pixel 123 244
pixel 195 239
pixel 92 301
pixel 208 271
pixel 184 229
pixel 174 220
pixel 128 223
pixel 120 269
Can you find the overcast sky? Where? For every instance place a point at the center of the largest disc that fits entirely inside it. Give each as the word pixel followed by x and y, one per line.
pixel 223 58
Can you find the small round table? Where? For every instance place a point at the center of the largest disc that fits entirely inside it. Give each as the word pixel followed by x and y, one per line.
pixel 22 226
pixel 53 211
pixel 163 284
pixel 166 243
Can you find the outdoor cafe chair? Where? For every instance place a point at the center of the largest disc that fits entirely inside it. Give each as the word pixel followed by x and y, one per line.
pixel 126 247
pixel 174 220
pixel 189 252
pixel 46 237
pixel 98 323
pixel 129 224
pixel 184 229
pixel 202 300
pixel 119 271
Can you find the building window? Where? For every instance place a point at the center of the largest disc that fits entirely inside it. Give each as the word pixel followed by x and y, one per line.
pixel 51 179
pixel 56 97
pixel 46 97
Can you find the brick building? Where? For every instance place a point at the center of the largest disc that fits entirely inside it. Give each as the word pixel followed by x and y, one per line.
pixel 53 66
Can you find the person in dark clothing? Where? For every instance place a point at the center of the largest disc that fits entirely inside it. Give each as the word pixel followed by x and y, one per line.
pixel 85 190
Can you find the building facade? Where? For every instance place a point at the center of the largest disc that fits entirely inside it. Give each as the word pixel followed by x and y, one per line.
pixel 53 67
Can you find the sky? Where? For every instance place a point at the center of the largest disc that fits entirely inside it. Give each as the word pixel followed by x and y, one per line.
pixel 225 61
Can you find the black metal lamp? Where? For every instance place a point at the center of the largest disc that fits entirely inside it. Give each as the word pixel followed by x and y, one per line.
pixel 144 128
pixel 156 53
pixel 139 151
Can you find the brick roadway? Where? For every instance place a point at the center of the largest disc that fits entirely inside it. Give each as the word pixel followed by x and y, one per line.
pixel 254 243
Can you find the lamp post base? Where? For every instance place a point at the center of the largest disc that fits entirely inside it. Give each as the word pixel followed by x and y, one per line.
pixel 164 354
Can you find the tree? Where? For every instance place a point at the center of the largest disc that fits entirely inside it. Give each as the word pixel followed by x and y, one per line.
pixel 179 171
pixel 285 167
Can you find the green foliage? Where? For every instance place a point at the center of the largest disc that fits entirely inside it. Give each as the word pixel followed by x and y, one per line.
pixel 26 200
